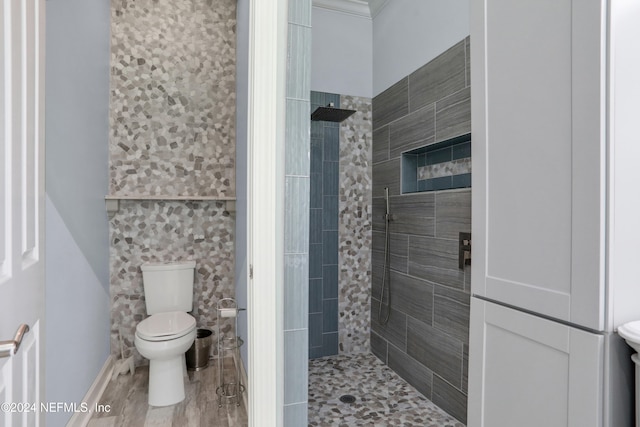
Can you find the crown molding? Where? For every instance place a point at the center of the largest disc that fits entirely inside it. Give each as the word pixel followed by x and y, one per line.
pixel 376 6
pixel 352 7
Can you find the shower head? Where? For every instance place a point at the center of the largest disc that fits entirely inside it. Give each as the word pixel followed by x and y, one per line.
pixel 331 114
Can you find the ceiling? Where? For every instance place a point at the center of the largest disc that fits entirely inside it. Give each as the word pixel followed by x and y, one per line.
pixel 364 8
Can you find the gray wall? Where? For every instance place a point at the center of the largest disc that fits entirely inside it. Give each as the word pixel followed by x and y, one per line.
pixel 426 338
pixel 242 105
pixel 296 220
pixel 77 277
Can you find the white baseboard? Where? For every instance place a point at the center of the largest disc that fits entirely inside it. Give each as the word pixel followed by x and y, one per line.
pixel 81 419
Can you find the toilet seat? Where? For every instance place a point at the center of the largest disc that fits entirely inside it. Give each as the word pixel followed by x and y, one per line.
pixel 165 326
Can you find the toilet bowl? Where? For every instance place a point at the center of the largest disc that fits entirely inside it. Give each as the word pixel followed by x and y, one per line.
pixel 169 331
pixel 163 339
pixel 631 334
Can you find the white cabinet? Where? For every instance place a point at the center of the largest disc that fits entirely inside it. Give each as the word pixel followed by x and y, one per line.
pixel 538 112
pixel 534 372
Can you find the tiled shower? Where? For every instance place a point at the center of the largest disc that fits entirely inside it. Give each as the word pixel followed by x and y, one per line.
pixel 414 139
pixel 426 339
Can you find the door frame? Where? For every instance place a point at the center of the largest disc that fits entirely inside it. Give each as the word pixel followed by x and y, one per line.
pixel 266 131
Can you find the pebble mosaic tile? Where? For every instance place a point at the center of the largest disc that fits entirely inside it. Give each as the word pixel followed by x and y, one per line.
pixel 155 231
pixel 354 229
pixel 172 107
pixel 382 398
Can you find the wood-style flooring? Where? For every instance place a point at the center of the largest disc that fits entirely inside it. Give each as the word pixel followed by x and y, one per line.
pixel 127 396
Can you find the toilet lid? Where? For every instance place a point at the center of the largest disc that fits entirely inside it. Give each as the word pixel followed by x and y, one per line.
pixel 161 326
pixel 630 331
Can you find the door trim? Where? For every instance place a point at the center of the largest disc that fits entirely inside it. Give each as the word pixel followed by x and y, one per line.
pixel 266 130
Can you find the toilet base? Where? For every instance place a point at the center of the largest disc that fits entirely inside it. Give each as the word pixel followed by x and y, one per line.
pixel 166 381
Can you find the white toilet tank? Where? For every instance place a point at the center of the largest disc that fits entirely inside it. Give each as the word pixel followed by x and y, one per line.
pixel 168 286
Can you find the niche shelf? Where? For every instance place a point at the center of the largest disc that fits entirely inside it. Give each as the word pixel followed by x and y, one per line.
pixel 112 202
pixel 441 166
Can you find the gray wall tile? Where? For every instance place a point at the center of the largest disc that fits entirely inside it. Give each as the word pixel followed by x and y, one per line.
pixel 330 344
pixel 330 213
pixel 453 278
pixel 453 115
pixel 413 214
pixel 330 179
pixel 461 151
pixel 378 208
pixel 295 415
pixel 441 183
pixel 467 51
pixel 329 247
pixel 315 330
pixel 295 361
pixel 438 351
pixel 296 214
pixel 407 367
pixel 330 281
pixel 317 128
pixel 315 191
pixel 396 263
pixel 381 144
pixel 315 226
pixel 453 213
pixel 317 98
pixel 398 243
pixel 465 367
pixel 461 181
pixel 297 137
pixel 316 352
pixel 391 104
pixel 439 78
pixel 331 143
pixel 395 331
pixel 330 315
pixel 449 398
pixel 296 291
pixel 315 296
pixel 412 131
pixel 386 174
pixel 316 155
pixel 434 252
pixel 409 182
pixel 379 346
pixel 451 312
pixel 315 261
pixel 413 297
pixel 300 13
pixel 298 62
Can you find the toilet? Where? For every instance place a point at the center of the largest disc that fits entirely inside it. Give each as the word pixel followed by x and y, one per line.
pixel 631 334
pixel 169 331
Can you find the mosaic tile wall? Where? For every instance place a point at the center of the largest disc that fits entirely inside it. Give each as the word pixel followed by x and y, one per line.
pixel 172 110
pixel 354 226
pixel 156 231
pixel 172 133
pixel 426 340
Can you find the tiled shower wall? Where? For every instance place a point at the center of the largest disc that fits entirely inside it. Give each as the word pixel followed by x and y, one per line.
pixel 340 229
pixel 323 231
pixel 296 221
pixel 172 122
pixel 426 338
pixel 354 226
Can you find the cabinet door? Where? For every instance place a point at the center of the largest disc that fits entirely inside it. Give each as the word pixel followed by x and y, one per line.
pixel 538 155
pixel 527 371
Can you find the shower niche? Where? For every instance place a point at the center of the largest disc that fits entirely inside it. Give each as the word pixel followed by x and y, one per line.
pixel 442 166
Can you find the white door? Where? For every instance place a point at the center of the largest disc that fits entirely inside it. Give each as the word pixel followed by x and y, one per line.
pixel 538 155
pixel 22 208
pixel 527 371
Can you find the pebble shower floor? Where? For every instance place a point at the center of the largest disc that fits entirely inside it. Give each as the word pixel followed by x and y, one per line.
pixel 382 397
